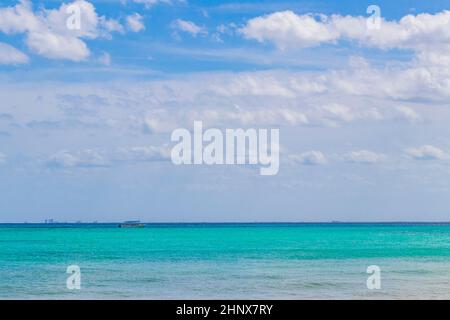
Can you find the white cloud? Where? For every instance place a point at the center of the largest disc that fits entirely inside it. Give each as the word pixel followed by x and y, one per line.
pixel 337 112
pixel 427 35
pixel 312 158
pixel 144 154
pixel 118 112
pixel 83 159
pixel 364 156
pixel 249 117
pixel 188 27
pixel 18 19
pixel 10 55
pixel 408 114
pixel 286 29
pixel 46 31
pixel 135 23
pixel 55 46
pixel 161 121
pixel 261 85
pixel 427 152
pixel 108 26
pixel 242 99
pixel 411 81
pixel 92 158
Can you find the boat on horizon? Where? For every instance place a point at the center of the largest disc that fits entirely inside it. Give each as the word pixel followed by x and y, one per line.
pixel 132 224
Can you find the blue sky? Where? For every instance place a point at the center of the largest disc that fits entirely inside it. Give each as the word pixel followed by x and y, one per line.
pixel 86 116
pixel 157 48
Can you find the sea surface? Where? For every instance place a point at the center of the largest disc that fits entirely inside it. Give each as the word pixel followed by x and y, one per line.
pixel 225 261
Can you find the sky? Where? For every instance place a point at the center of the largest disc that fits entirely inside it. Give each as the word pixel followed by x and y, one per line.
pixel 86 114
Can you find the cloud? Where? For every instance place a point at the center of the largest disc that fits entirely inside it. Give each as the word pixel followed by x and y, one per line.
pixel 236 99
pixel 144 154
pixel 249 117
pixel 262 85
pixel 12 56
pixel 427 152
pixel 82 159
pixel 161 121
pixel 364 156
pixel 47 32
pixel 312 158
pixel 287 29
pixel 426 35
pixel 333 112
pixel 188 27
pixel 92 158
pixel 135 23
pixel 412 81
pixel 408 114
pixel 55 46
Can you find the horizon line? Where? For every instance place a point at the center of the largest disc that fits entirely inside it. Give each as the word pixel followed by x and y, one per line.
pixel 236 222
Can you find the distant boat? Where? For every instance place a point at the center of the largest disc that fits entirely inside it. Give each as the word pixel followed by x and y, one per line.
pixel 131 224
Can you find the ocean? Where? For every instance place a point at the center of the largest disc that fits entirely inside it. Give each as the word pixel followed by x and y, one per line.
pixel 225 261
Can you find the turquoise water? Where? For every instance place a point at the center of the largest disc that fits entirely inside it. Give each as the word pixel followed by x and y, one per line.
pixel 203 261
